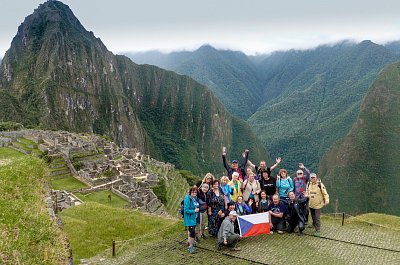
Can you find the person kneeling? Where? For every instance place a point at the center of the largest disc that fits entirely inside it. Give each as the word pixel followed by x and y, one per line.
pixel 226 233
pixel 297 212
pixel 277 209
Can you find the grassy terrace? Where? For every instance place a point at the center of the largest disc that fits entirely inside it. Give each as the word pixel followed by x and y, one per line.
pixel 356 242
pixel 92 226
pixel 65 182
pixel 28 235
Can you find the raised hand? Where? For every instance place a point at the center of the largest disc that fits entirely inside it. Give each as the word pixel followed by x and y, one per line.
pixel 278 160
pixel 301 165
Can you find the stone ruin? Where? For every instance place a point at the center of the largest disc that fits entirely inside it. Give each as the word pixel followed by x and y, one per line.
pixel 102 165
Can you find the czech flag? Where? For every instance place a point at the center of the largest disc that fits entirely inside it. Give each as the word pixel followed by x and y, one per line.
pixel 254 224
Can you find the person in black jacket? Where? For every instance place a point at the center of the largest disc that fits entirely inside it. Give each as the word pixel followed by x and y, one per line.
pixel 235 167
pixel 297 212
pixel 268 184
pixel 231 207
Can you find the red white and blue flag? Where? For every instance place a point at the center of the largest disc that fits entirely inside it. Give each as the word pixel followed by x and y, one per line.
pixel 254 224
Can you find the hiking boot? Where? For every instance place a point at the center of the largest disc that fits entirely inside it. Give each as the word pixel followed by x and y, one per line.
pixel 219 246
pixel 300 233
pixel 203 236
pixel 197 239
pixel 236 249
pixel 191 249
pixel 317 234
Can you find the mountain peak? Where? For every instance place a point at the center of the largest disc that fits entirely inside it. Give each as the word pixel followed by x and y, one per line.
pixel 206 47
pixel 49 19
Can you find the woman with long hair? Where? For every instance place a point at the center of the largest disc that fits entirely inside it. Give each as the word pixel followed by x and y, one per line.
pixel 216 207
pixel 226 189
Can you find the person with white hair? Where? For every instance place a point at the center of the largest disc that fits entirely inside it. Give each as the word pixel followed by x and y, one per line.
pixel 319 198
pixel 236 186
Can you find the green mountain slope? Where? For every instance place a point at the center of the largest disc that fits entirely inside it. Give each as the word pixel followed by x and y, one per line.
pixel 229 74
pixel 362 171
pixel 57 75
pixel 314 97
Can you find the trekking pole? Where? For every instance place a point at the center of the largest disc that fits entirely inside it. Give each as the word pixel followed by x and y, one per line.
pixel 113 248
pixel 343 219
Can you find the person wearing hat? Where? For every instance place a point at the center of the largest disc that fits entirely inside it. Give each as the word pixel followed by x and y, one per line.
pixel 301 179
pixel 235 166
pixel 226 234
pixel 318 198
pixel 300 182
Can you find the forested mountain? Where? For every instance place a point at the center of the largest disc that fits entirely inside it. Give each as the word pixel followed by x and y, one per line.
pixel 362 171
pixel 229 74
pixel 314 97
pixel 57 75
pixel 309 98
pixel 394 46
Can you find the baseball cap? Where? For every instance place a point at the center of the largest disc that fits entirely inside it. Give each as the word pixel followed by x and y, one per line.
pixel 233 213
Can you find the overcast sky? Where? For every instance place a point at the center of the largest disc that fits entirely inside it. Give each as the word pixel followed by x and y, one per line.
pixel 252 26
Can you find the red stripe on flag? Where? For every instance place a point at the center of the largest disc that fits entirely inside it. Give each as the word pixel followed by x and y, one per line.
pixel 258 229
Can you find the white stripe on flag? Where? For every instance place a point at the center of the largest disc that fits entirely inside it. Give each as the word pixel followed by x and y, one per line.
pixel 257 218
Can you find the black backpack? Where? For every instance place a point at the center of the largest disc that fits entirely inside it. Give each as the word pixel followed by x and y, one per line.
pixel 181 209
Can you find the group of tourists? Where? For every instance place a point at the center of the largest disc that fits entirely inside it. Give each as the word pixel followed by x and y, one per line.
pixel 214 203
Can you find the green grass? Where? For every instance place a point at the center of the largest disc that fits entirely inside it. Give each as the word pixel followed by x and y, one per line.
pixel 8 153
pixel 28 235
pixel 379 219
pixel 66 182
pixel 23 144
pixel 102 198
pixel 91 228
pixel 27 141
pixel 58 169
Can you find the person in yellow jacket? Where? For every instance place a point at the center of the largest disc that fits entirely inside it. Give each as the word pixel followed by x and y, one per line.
pixel 236 186
pixel 318 198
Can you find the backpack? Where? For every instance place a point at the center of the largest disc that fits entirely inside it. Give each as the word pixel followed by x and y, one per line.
pixel 181 209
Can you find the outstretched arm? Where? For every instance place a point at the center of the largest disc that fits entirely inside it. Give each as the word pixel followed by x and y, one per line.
pixel 224 161
pixel 245 158
pixel 306 171
pixel 277 162
pixel 251 164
